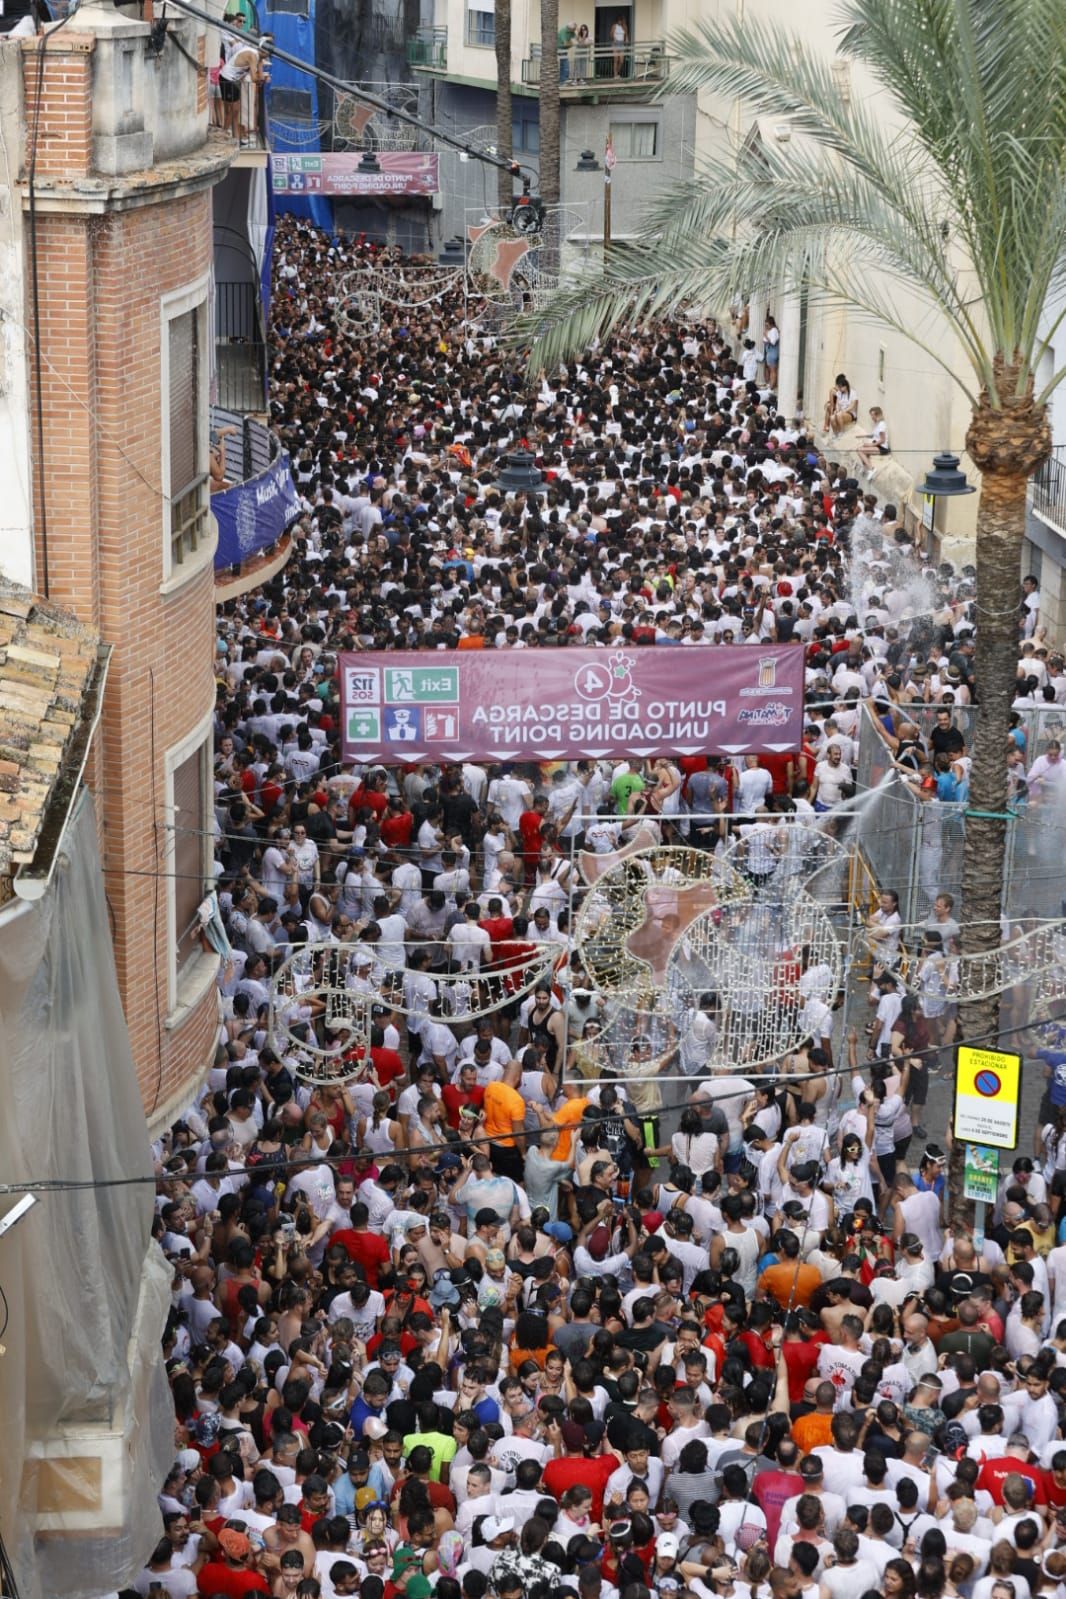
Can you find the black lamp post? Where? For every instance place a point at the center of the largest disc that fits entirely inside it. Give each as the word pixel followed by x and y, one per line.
pixel 519 473
pixel 587 162
pixel 943 481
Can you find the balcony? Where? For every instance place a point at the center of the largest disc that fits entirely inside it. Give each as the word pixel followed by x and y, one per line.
pixel 428 50
pixel 240 353
pixel 1049 491
pixel 592 71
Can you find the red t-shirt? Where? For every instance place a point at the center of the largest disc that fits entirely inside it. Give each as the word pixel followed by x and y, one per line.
pixel 801 1362
pixel 271 795
pixel 368 1250
pixel 396 831
pixel 1053 1494
pixel 770 1490
pixel 218 1578
pixel 529 825
pixel 388 1063
pixel 407 1342
pixel 512 953
pixel 454 1099
pixel 372 797
pixel 993 1474
pixel 498 928
pixel 761 1356
pixel 570 1471
pixel 777 766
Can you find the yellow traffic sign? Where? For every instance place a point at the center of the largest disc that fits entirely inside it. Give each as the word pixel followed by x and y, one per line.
pixel 987 1090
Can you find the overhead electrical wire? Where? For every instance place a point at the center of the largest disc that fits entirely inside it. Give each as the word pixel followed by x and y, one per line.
pixel 63 1184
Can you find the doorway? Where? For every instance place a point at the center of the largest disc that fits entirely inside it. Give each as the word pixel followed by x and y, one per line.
pixel 614 57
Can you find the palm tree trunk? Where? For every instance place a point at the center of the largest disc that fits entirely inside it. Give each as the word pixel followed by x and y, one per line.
pixel 504 122
pixel 1000 529
pixel 549 101
pixel 1007 441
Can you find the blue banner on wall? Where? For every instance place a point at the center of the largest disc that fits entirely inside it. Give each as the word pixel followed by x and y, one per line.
pixel 254 515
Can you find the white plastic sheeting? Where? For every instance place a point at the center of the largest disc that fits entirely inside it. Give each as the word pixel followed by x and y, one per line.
pixel 88 1424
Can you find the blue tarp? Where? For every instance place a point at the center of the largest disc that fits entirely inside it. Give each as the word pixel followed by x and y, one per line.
pixel 255 514
pixel 296 35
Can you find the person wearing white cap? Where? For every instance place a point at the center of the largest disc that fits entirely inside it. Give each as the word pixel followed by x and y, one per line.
pixel 497 1533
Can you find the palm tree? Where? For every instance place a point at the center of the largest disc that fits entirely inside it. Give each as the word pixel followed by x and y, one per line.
pixel 549 101
pixel 504 120
pixel 964 202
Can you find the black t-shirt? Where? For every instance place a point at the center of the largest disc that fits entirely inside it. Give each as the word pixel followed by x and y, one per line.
pixel 882 1444
pixel 646 1338
pixel 946 741
pixel 459 811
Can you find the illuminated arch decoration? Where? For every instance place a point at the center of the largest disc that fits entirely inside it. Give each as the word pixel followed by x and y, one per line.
pixel 661 926
pixel 321 1010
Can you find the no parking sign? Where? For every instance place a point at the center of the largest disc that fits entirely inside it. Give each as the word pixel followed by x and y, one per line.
pixel 987 1089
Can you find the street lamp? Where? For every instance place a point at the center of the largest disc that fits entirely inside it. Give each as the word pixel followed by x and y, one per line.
pixel 587 163
pixel 519 473
pixel 943 481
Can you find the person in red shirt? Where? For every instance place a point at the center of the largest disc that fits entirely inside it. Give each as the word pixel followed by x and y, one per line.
pixel 994 1472
pixel 367 1249
pixel 529 830
pixel 514 952
pixel 770 1489
pixel 574 1467
pixel 498 926
pixel 397 825
pixel 315 1502
pixel 466 1090
pixel 1055 1480
pixel 800 1355
pixel 272 791
pixel 232 1575
pixel 781 769
pixel 388 1063
pixel 371 793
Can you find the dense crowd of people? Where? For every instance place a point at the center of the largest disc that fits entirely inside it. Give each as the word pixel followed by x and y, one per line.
pixel 493 1312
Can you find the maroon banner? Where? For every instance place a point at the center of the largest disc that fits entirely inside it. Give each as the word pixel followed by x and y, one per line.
pixel 339 173
pixel 561 704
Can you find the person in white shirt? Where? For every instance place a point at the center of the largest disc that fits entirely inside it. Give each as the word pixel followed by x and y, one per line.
pixel 511 796
pixel 470 945
pixel 831 777
pixel 884 927
pixel 753 787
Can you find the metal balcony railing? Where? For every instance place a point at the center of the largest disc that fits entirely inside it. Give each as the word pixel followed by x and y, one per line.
pixel 429 48
pixel 240 353
pixel 1049 489
pixel 604 67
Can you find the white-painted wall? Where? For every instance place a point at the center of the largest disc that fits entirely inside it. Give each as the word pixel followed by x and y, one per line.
pixel 16 517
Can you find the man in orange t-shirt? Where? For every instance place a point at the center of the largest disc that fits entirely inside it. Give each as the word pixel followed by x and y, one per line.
pixel 815 1429
pixel 790 1285
pixel 567 1118
pixel 505 1116
pixel 789 1282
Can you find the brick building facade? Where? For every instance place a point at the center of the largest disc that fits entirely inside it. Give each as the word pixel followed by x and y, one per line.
pixel 120 229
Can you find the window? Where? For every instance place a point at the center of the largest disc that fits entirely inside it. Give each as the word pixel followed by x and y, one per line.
pixel 184 382
pixel 189 779
pixel 635 141
pixel 290 105
pixel 525 137
pixel 880 366
pixel 481 29
pixel 297 8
